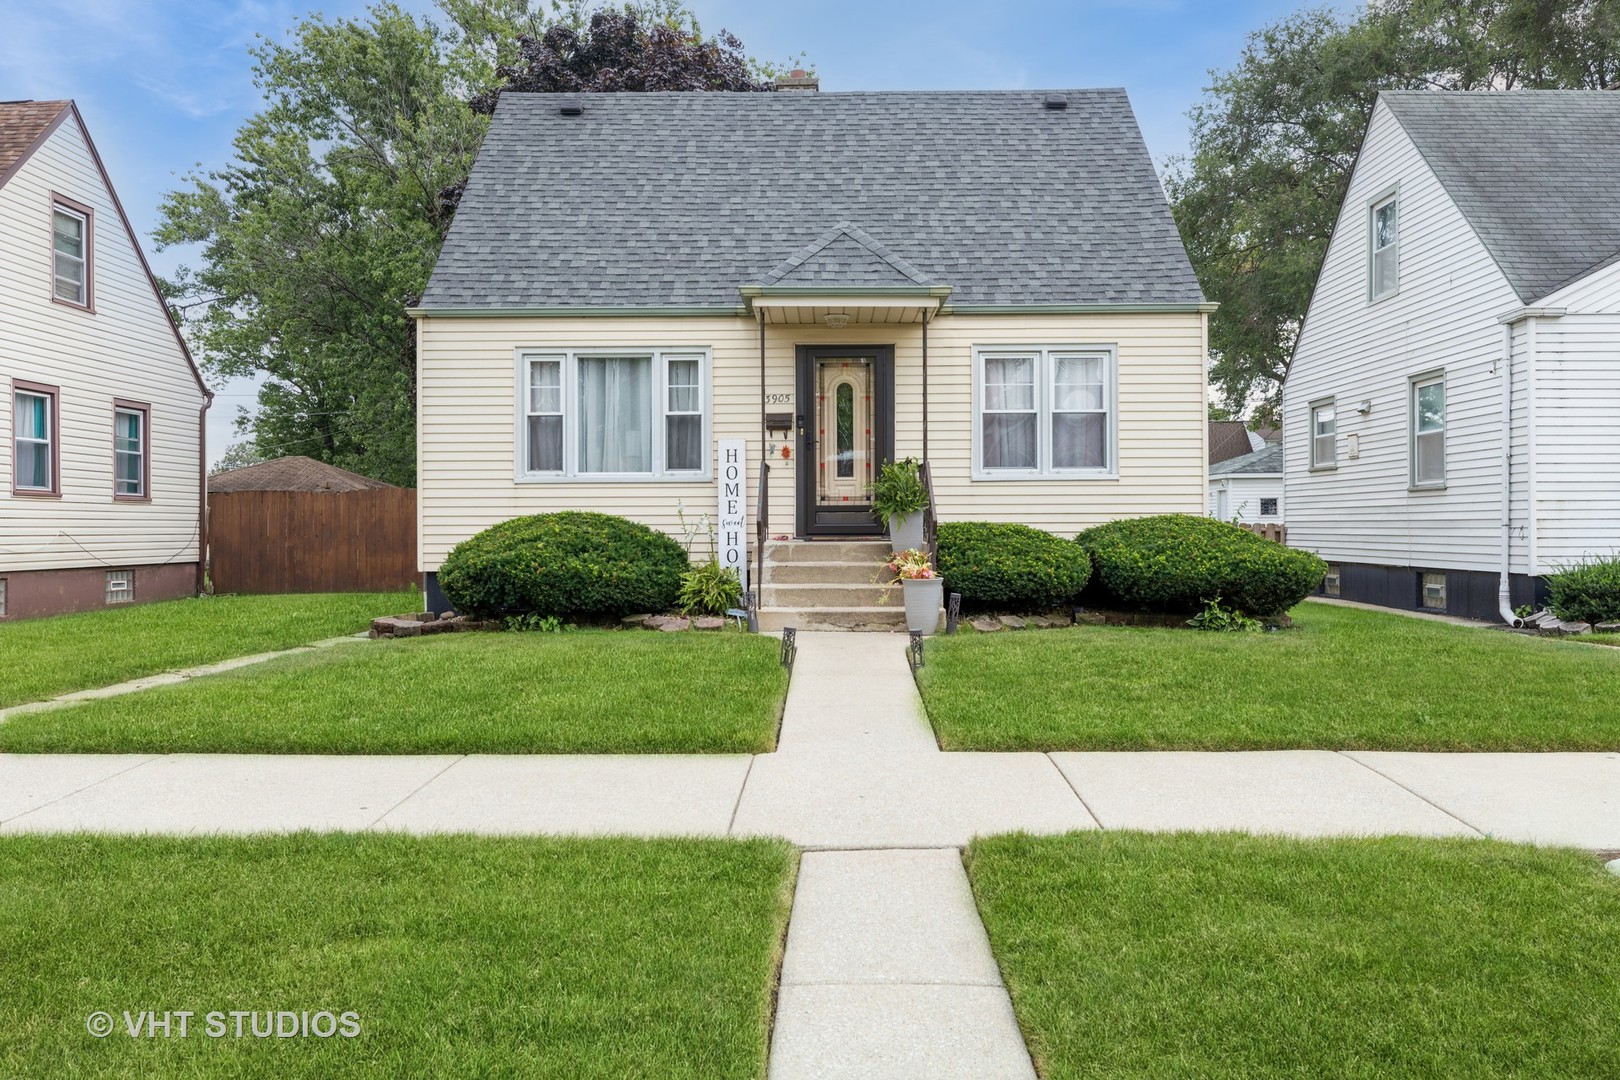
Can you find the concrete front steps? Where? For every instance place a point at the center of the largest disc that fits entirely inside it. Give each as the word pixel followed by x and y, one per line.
pixel 829 585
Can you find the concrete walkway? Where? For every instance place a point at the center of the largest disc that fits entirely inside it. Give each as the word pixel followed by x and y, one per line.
pixel 887 971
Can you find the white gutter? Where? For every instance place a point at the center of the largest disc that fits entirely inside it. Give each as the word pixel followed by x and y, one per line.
pixel 1504 588
pixel 1527 315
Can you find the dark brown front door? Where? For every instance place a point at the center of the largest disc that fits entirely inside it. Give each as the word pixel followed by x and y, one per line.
pixel 846 429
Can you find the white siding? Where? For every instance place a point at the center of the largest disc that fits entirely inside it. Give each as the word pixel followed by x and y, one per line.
pixel 124 349
pixel 1578 434
pixel 1443 317
pixel 466 445
pixel 1242 498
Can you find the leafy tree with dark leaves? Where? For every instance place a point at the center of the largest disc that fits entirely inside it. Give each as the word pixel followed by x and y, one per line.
pixel 324 228
pixel 1275 138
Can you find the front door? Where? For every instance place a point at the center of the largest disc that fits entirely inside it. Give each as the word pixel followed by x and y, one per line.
pixel 846 429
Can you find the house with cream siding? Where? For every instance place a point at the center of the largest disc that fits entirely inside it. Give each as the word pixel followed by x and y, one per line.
pixel 1451 405
pixel 989 282
pixel 101 436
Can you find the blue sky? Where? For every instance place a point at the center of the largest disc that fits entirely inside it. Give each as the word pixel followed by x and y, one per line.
pixel 163 84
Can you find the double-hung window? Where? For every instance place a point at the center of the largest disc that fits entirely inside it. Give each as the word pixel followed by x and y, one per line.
pixel 34 439
pixel 70 253
pixel 1324 435
pixel 613 414
pixel 1429 431
pixel 1044 412
pixel 130 440
pixel 1384 267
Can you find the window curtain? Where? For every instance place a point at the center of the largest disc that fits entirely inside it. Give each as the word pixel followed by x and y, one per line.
pixel 33 446
pixel 615 414
pixel 1009 422
pixel 1079 413
pixel 683 439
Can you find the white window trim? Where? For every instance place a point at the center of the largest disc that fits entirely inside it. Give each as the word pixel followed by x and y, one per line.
pixel 1310 442
pixel 139 453
pixel 1428 378
pixel 1384 198
pixel 570 473
pixel 1045 371
pixel 83 258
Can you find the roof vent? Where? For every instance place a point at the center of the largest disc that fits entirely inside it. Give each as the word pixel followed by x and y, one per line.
pixel 570 105
pixel 1056 101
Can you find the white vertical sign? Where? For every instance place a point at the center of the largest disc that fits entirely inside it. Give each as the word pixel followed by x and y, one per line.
pixel 734 507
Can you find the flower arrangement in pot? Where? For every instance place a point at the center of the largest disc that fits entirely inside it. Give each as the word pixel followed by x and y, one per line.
pixel 924 589
pixel 898 500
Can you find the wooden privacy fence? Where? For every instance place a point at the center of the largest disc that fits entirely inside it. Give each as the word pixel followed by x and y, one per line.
pixel 312 541
pixel 1269 529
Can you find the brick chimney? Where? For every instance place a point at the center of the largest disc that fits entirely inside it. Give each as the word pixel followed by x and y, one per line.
pixel 798 79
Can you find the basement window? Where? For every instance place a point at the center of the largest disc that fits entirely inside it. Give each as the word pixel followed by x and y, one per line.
pixel 120 586
pixel 2 597
pixel 1433 594
pixel 1331 582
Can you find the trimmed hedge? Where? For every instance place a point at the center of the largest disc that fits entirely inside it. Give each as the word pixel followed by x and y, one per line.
pixel 1587 591
pixel 567 564
pixel 1178 562
pixel 1011 567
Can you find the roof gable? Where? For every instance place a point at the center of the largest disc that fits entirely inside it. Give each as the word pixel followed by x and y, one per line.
pixel 24 125
pixel 1268 459
pixel 42 118
pixel 1533 171
pixel 845 255
pixel 675 200
pixel 292 473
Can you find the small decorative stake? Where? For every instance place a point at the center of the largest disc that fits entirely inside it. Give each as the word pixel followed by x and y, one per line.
pixel 790 646
pixel 953 612
pixel 914 652
pixel 1074 616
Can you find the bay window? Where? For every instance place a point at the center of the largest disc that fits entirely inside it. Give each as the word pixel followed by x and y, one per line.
pixel 1044 412
pixel 613 414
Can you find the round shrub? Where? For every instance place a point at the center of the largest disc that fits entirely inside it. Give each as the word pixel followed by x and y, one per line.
pixel 567 564
pixel 1011 567
pixel 1177 562
pixel 1587 591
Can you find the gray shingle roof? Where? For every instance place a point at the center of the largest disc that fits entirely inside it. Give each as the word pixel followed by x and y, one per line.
pixel 1266 460
pixel 676 199
pixel 1533 171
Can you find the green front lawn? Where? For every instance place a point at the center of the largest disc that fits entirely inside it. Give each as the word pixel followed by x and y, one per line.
pixel 462 956
pixel 587 692
pixel 1341 679
pixel 57 655
pixel 1248 958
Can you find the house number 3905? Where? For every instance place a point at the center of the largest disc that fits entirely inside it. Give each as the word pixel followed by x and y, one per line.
pixel 778 399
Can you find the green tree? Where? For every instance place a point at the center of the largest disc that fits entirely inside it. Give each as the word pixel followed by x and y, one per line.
pixel 326 224
pixel 1274 140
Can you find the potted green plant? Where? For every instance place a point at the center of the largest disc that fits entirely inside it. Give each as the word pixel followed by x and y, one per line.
pixel 898 500
pixel 924 589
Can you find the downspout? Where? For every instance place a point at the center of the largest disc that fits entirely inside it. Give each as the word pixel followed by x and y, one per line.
pixel 1504 588
pixel 202 492
pixel 925 385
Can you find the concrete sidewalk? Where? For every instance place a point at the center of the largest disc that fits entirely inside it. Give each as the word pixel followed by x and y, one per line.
pixel 857 767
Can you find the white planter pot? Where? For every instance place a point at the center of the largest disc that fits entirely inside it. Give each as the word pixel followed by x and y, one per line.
pixel 906 531
pixel 924 597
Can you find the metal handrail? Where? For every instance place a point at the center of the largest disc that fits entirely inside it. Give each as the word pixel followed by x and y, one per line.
pixel 930 516
pixel 762 517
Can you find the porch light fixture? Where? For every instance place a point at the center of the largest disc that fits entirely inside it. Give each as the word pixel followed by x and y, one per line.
pixel 835 320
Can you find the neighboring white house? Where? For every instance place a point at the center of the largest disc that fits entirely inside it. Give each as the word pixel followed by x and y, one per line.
pixel 990 281
pixel 1248 489
pixel 1453 405
pixel 101 442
